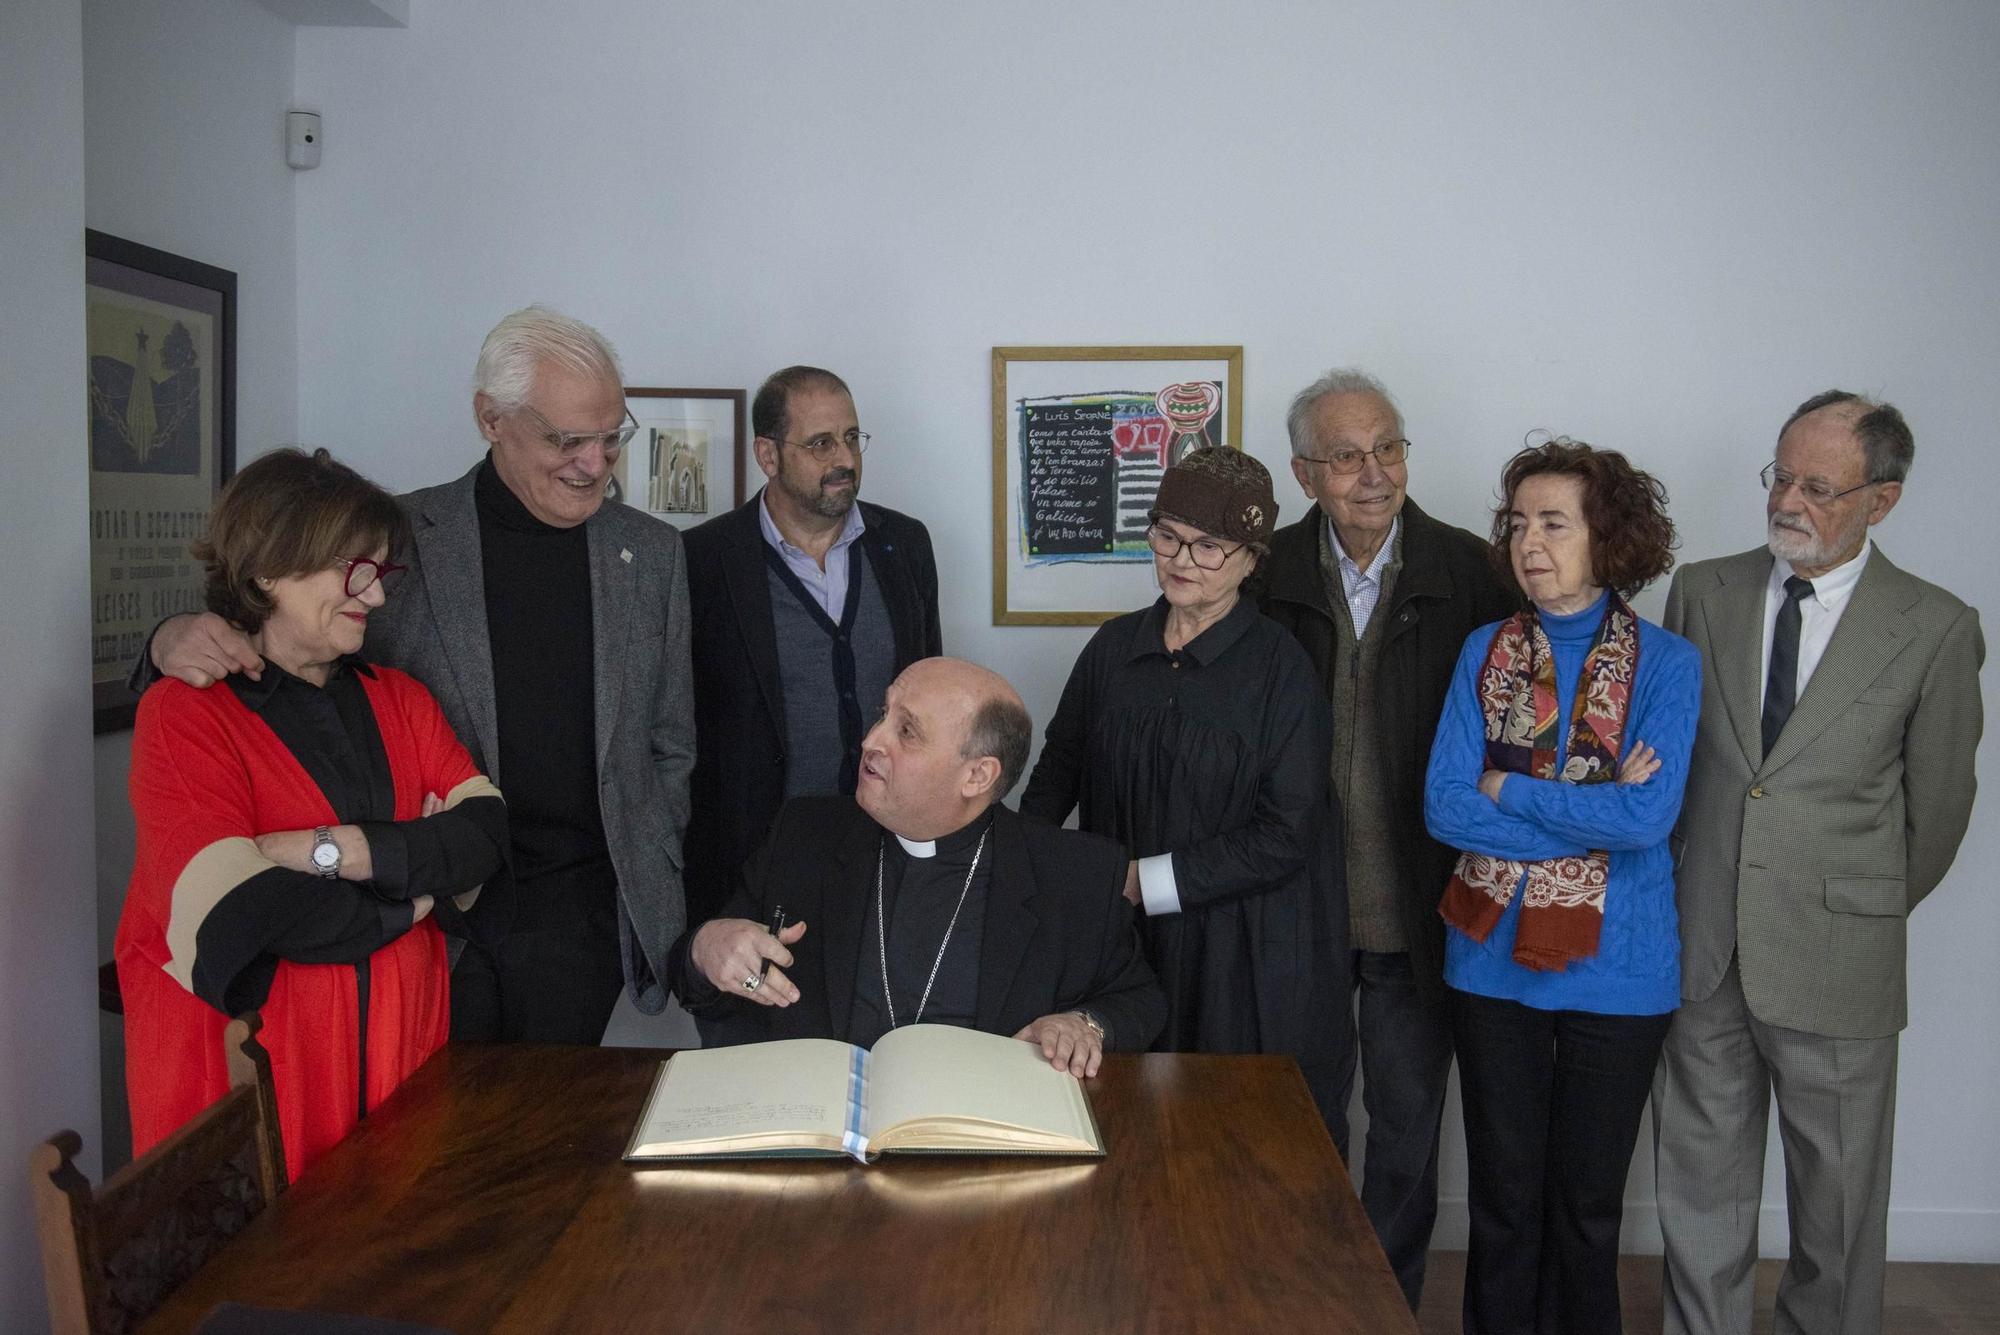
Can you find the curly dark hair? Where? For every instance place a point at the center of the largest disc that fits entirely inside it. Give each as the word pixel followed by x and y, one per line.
pixel 1631 538
pixel 289 513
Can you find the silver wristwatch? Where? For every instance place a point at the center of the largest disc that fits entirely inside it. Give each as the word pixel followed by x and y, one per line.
pixel 326 853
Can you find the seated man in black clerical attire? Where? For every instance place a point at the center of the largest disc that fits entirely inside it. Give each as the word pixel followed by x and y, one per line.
pixel 921 899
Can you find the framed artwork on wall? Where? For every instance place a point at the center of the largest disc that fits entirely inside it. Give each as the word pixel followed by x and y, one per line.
pixel 160 337
pixel 1081 438
pixel 686 464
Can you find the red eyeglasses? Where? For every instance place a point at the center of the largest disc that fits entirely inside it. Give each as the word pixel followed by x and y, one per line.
pixel 363 572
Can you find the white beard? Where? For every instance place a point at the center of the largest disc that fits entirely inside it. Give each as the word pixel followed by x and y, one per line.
pixel 1801 547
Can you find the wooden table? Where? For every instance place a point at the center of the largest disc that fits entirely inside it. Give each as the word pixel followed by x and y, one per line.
pixel 488 1195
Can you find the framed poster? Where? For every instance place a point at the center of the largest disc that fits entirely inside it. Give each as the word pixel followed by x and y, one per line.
pixel 686 464
pixel 160 333
pixel 1081 438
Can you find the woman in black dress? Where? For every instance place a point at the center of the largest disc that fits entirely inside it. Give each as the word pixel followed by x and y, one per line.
pixel 1196 733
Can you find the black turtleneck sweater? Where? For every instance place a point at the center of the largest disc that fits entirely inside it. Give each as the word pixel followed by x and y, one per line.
pixel 919 895
pixel 538 618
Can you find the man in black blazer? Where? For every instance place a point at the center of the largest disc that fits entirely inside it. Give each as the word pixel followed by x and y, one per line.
pixel 806 602
pixel 922 899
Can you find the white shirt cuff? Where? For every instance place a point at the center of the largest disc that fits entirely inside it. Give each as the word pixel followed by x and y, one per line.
pixel 1156 885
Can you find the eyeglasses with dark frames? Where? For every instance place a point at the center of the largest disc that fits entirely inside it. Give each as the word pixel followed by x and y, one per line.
pixel 364 572
pixel 822 446
pixel 1205 552
pixel 1388 454
pixel 1815 493
pixel 570 443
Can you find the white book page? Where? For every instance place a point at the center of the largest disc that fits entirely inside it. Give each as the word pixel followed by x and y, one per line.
pixel 939 1070
pixel 791 1085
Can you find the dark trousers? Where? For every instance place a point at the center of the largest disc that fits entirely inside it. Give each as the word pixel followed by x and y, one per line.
pixel 1552 1103
pixel 555 981
pixel 1405 1053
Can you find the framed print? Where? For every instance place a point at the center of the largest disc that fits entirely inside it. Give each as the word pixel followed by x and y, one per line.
pixel 160 334
pixel 1081 438
pixel 686 464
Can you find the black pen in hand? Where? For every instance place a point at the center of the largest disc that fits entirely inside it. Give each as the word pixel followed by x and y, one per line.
pixel 777 926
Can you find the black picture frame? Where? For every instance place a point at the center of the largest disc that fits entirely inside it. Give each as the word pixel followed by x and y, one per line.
pixel 157 455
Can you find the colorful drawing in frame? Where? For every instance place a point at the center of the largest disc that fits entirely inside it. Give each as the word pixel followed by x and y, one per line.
pixel 160 335
pixel 1090 465
pixel 1076 467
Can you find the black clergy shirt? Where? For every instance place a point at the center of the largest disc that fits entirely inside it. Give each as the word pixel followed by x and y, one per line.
pixel 920 894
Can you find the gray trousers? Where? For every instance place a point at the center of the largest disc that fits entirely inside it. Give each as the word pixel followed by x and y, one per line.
pixel 1405 1052
pixel 1836 1120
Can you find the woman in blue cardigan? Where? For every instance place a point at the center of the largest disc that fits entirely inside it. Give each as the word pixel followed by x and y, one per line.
pixel 1557 770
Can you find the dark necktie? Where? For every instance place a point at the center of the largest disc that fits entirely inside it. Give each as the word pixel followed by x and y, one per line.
pixel 1781 687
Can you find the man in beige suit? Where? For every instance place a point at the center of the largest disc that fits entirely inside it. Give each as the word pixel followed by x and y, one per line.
pixel 1830 786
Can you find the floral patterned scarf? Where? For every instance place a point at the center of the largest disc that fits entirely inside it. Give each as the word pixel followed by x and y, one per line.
pixel 1562 907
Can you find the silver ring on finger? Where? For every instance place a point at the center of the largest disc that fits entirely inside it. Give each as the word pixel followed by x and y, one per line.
pixel 752 982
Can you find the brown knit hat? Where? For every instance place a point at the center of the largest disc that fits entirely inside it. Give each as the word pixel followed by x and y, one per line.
pixel 1223 492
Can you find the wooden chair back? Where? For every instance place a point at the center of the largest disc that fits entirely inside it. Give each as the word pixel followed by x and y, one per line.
pixel 111 1257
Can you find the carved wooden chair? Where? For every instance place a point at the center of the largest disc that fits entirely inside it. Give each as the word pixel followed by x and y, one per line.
pixel 110 1258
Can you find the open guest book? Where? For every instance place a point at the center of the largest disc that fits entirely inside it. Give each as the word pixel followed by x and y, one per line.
pixel 924 1088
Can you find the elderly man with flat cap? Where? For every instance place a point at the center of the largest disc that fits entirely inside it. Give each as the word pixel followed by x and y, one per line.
pixel 921 899
pixel 1831 783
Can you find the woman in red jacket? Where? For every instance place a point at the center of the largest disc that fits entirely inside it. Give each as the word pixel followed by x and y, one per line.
pixel 303 829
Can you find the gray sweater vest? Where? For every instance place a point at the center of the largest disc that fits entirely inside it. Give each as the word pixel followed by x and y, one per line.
pixel 1374 920
pixel 833 676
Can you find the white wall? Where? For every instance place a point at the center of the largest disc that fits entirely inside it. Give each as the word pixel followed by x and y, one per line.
pixel 48 973
pixel 184 150
pixel 1653 227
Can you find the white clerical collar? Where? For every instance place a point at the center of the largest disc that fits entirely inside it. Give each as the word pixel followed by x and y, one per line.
pixel 960 842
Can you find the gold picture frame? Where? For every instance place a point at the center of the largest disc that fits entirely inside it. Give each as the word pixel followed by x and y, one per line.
pixel 1080 438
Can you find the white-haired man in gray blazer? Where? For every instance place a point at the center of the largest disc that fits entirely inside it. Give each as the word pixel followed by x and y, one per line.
pixel 1831 782
pixel 552 626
